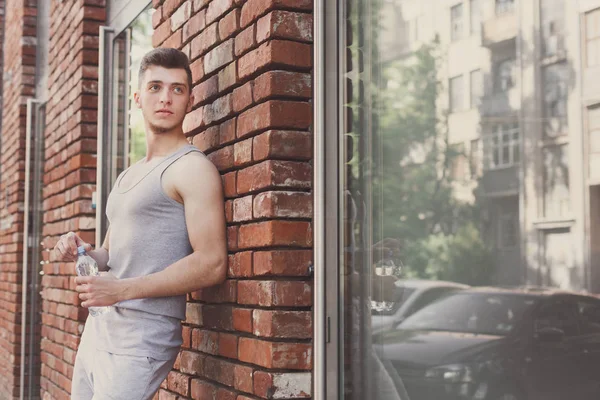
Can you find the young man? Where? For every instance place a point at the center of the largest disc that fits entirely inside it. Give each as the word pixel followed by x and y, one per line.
pixel 166 238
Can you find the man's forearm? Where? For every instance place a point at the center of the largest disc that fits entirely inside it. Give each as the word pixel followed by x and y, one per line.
pixel 189 274
pixel 101 256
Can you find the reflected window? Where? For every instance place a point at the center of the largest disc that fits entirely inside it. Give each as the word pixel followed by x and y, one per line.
pixel 592 37
pixel 556 182
pixel 475 16
pixel 553 25
pixel 457 94
pixel 508 228
pixel 504 75
pixel 475 159
pixel 593 123
pixel 504 6
pixel 504 146
pixel 457 22
pixel 476 84
pixel 555 83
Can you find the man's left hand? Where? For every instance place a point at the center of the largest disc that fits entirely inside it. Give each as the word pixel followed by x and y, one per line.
pixel 100 291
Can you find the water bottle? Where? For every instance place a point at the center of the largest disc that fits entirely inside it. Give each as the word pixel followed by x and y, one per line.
pixel 386 267
pixel 87 266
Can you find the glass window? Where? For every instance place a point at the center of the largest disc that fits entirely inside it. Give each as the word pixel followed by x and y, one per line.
pixel 457 22
pixel 476 85
pixel 556 182
pixel 502 198
pixel 592 37
pixel 504 75
pixel 504 6
pixel 555 83
pixel 475 16
pixel 457 93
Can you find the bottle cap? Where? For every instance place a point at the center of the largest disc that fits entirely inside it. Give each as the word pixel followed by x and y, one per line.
pixel 80 250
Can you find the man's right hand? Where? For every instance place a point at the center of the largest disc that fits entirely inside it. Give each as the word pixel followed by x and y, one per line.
pixel 66 248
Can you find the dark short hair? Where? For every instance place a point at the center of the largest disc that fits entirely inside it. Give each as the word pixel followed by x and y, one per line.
pixel 166 58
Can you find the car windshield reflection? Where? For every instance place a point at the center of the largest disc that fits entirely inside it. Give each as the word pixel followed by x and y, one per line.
pixel 477 313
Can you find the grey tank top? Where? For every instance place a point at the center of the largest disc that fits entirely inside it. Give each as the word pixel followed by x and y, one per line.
pixel 148 233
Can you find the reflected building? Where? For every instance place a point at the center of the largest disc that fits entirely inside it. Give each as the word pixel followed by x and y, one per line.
pixel 519 96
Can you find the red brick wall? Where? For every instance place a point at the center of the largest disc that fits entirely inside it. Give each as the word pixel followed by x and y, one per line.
pixel 250 338
pixel 69 178
pixel 18 68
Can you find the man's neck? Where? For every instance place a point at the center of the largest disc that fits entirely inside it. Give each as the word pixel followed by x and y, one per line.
pixel 161 145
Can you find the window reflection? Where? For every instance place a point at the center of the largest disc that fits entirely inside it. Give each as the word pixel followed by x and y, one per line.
pixel 471 149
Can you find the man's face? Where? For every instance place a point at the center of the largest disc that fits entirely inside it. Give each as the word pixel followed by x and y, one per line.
pixel 164 98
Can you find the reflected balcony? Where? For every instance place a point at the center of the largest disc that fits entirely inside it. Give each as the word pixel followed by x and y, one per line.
pixel 500 103
pixel 499 29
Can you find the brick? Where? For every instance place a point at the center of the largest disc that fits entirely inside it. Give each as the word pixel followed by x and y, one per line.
pixel 282 83
pixel 203 390
pixel 174 41
pixel 243 152
pixel 282 324
pixel 197 68
pixel 218 109
pixel 273 174
pixel 242 377
pixel 245 40
pixel 285 25
pixel 253 9
pixel 205 341
pixel 242 209
pixel 161 33
pixel 229 24
pixel 194 26
pixel 157 17
pixel 222 158
pixel 228 344
pixel 191 363
pixel 242 320
pixel 289 145
pixel 275 233
pixel 282 205
pixel 199 4
pixel 226 292
pixel 178 383
pixel 207 139
pixel 228 77
pixel 240 264
pixel 193 120
pixel 217 8
pixel 230 184
pixel 219 56
pixel 193 313
pixel 274 293
pixel 282 385
pixel 186 333
pixel 206 90
pixel 180 16
pixel 274 114
pixel 293 356
pixel 227 131
pixel 242 97
pixel 218 317
pixel 281 262
pixel 275 53
pixel 170 6
pixel 203 42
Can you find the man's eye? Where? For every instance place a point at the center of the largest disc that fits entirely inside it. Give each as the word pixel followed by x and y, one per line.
pixel 154 87
pixel 178 90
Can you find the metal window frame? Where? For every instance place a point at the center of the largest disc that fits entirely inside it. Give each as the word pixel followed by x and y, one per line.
pixel 120 17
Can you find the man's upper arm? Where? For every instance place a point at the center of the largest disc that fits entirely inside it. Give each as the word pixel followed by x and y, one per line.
pixel 201 189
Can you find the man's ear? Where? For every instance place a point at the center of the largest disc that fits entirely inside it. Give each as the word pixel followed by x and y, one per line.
pixel 136 98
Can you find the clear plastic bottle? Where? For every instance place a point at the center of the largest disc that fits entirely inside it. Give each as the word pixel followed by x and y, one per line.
pixel 87 266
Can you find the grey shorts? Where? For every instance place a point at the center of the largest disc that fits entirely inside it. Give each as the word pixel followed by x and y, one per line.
pixel 101 375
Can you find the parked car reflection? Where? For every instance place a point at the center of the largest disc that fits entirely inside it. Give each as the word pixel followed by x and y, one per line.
pixel 499 344
pixel 410 296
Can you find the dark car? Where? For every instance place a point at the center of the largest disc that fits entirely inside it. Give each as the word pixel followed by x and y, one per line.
pixel 499 344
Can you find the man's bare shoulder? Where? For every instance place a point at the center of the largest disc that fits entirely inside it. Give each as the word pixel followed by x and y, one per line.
pixel 193 172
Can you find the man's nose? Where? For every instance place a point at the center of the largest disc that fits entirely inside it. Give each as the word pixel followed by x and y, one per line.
pixel 165 97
